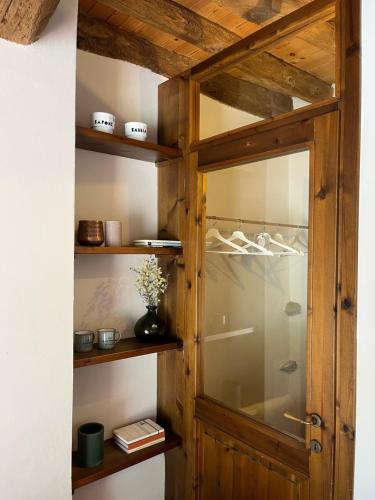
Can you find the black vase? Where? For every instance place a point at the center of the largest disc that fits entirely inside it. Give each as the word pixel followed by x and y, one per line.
pixel 150 326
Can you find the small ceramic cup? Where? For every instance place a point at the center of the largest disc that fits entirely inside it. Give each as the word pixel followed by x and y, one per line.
pixel 112 232
pixel 107 338
pixel 136 130
pixel 83 340
pixel 103 122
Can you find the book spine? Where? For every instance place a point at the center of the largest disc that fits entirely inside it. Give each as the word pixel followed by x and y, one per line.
pixel 141 442
pixel 124 448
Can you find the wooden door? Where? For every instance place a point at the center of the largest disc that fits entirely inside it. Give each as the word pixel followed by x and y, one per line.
pixel 238 455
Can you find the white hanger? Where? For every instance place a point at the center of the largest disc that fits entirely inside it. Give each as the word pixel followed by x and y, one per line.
pixel 214 233
pixel 267 238
pixel 239 235
pixel 297 239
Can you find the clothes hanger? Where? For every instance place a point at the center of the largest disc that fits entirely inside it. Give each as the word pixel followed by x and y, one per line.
pixel 265 238
pixel 215 233
pixel 280 239
pixel 239 235
pixel 297 238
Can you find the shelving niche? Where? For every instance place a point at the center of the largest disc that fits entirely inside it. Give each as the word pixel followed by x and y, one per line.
pixel 115 459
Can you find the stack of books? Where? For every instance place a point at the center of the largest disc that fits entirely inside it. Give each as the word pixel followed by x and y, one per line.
pixel 139 435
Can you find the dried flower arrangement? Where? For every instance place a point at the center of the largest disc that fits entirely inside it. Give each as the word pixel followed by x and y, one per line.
pixel 150 282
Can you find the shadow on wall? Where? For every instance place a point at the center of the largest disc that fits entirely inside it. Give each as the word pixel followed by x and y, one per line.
pixel 103 83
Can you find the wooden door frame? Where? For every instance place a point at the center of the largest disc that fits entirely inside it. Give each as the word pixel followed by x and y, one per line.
pixel 179 125
pixel 318 135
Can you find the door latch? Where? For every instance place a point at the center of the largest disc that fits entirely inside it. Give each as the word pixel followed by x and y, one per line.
pixel 316 446
pixel 313 419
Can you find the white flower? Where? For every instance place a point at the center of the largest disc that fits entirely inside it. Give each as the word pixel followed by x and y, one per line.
pixel 150 282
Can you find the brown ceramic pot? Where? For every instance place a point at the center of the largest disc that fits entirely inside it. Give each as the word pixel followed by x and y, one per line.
pixel 90 233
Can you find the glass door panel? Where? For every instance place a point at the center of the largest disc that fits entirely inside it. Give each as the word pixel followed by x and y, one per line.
pixel 255 288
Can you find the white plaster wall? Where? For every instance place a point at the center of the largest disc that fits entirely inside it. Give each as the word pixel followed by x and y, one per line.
pixel 365 437
pixel 113 188
pixel 36 260
pixel 216 117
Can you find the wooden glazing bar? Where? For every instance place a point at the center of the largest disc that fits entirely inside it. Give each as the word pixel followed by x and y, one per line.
pixel 295 137
pixel 297 115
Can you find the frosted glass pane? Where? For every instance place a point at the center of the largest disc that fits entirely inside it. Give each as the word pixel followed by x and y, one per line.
pixel 255 324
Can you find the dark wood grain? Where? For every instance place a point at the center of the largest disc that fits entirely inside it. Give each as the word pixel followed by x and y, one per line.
pixel 101 142
pixel 116 460
pixel 127 348
pixel 79 250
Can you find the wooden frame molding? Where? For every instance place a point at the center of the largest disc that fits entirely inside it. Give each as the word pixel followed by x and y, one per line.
pixel 22 21
pixel 348 79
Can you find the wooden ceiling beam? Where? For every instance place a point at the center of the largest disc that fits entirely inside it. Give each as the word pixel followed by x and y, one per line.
pixel 101 38
pixel 246 96
pixel 265 38
pixel 22 21
pixel 173 18
pixel 260 11
pixel 263 69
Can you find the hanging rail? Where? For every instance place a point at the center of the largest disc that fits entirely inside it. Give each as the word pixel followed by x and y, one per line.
pixel 259 222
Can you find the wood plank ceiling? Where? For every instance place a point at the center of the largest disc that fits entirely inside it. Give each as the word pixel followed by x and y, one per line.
pixel 170 36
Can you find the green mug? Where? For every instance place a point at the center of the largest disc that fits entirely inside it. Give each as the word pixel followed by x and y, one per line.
pixel 90 444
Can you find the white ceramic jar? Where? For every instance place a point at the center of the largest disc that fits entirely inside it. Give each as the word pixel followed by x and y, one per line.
pixel 136 130
pixel 103 122
pixel 113 233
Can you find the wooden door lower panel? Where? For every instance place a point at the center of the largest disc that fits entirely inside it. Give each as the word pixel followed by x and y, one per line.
pixel 228 469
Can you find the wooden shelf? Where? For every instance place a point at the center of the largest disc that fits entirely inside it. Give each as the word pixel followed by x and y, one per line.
pixel 118 145
pixel 80 250
pixel 116 460
pixel 127 348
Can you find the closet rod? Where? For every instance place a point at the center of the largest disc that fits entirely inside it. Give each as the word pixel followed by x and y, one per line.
pixel 260 222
